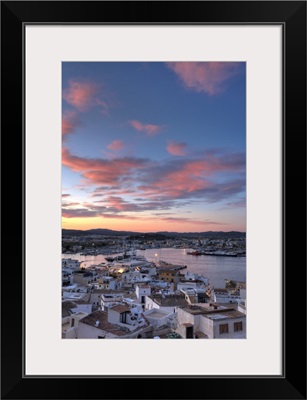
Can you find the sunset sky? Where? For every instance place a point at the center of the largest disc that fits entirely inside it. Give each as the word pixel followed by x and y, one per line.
pixel 154 146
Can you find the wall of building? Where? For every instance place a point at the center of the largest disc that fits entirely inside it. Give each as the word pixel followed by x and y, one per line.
pixel 185 317
pixel 82 280
pixel 73 321
pixel 150 332
pixel 149 303
pixel 71 333
pixel 113 316
pixel 95 299
pixel 206 326
pixel 242 307
pixel 157 322
pixel 231 333
pixel 142 291
pixel 90 332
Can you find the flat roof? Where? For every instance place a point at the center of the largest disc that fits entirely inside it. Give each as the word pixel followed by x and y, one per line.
pixel 171 300
pixel 210 312
pixel 107 291
pixel 226 314
pixel 157 315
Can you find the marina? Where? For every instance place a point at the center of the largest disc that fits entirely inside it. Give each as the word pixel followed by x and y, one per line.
pixel 217 268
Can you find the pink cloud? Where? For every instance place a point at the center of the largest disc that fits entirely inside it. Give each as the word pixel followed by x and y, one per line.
pixel 84 95
pixel 189 178
pixel 208 77
pixel 70 121
pixel 116 145
pixel 209 178
pixel 93 212
pixel 149 129
pixel 177 149
pixel 177 184
pixel 101 171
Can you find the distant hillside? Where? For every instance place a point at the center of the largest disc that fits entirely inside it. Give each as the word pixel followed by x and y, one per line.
pixel 109 232
pixel 211 234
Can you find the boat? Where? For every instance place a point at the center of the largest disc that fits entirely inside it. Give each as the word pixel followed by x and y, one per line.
pixel 220 253
pixel 195 253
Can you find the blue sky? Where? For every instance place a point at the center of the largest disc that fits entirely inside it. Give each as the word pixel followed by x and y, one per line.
pixel 154 146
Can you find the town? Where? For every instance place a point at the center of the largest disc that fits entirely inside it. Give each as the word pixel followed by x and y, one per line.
pixel 129 297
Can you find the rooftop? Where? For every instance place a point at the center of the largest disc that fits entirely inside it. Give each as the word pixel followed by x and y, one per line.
pixel 225 314
pixel 102 318
pixel 156 314
pixel 106 291
pixel 104 325
pixel 212 313
pixel 120 308
pixel 67 305
pixel 172 300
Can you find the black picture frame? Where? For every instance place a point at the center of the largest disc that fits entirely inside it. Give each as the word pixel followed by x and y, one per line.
pixel 292 16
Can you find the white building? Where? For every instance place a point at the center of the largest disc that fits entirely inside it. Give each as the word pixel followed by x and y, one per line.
pixel 106 282
pixel 224 295
pixel 211 322
pixel 142 291
pixel 168 303
pixel 117 322
pixel 71 315
pixel 96 294
pixel 159 318
pixel 133 277
pixel 242 306
pixel 194 294
pixel 111 299
pixel 192 276
pixel 74 295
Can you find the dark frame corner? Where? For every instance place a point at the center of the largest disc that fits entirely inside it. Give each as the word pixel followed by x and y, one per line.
pixel 292 14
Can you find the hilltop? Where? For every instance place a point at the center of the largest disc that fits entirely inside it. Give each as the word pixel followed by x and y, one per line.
pixel 110 232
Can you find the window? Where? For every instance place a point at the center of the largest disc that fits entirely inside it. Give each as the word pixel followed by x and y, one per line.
pixel 224 328
pixel 123 317
pixel 238 326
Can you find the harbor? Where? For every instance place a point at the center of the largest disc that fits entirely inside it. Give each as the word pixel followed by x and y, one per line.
pixel 216 268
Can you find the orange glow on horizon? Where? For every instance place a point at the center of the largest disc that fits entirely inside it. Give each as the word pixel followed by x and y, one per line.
pixel 137 225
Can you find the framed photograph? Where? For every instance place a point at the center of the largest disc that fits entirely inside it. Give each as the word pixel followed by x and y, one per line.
pixel 162 170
